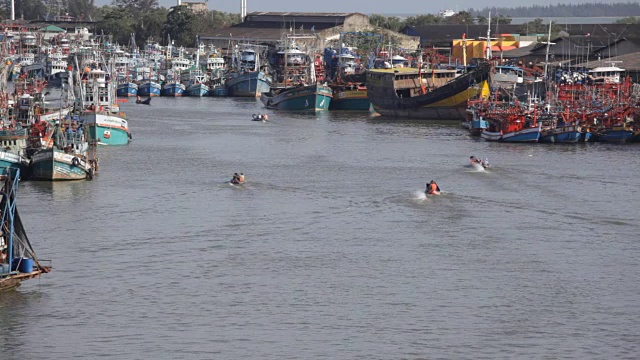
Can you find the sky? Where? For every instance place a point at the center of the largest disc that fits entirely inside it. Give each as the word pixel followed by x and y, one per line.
pixel 367 6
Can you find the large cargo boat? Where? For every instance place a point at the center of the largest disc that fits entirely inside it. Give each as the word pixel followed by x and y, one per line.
pixel 435 94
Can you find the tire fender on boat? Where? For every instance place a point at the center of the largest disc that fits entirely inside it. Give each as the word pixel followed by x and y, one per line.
pixel 90 174
pixel 75 161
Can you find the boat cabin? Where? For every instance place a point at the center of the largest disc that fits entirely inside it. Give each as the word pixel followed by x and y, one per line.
pixel 98 77
pixel 508 75
pixel 215 62
pixel 607 75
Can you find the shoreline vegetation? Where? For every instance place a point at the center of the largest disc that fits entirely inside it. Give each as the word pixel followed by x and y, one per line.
pixel 147 20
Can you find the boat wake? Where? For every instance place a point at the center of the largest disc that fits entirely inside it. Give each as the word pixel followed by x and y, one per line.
pixel 478 167
pixel 419 195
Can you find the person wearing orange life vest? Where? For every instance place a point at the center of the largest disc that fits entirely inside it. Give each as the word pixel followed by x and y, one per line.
pixel 432 188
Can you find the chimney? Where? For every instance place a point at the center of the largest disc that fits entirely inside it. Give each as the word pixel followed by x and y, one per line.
pixel 179 2
pixel 243 9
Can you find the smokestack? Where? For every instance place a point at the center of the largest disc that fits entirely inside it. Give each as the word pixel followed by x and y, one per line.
pixel 179 2
pixel 243 9
pixel 13 10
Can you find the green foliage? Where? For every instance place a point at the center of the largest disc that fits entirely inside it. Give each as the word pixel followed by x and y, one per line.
pixel 117 23
pixel 386 22
pixel 24 9
pixel 150 24
pixel 628 20
pixel 179 25
pixel 420 20
pixel 500 19
pixel 564 10
pixel 461 18
pixel 80 9
pixel 136 6
pixel 539 26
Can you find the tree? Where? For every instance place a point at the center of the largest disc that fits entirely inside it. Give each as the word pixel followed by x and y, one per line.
pixel 81 9
pixel 387 22
pixel 628 20
pixel 26 9
pixel 377 20
pixel 500 19
pixel 136 6
pixel 419 20
pixel 150 24
pixel 117 23
pixel 463 17
pixel 180 25
pixel 213 20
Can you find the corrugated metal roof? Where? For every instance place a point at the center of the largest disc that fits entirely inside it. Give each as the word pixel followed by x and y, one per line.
pixel 629 62
pixel 275 13
pixel 249 34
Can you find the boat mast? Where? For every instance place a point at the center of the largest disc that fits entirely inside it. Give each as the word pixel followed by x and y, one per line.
pixel 546 58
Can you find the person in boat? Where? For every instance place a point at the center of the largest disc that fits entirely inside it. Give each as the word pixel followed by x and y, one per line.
pixel 432 188
pixel 241 178
pixel 235 179
pixel 474 159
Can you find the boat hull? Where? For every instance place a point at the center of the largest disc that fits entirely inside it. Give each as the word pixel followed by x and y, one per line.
pixel 616 136
pixel 53 164
pixel 149 89
pixel 172 90
pixel 447 102
pixel 250 84
pixel 350 100
pixel 11 161
pixel 108 129
pixel 304 98
pixel 197 90
pixel 477 126
pixel 127 90
pixel 219 91
pixel 561 136
pixel 526 135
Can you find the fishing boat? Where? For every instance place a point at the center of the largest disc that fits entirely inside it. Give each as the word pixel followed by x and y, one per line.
pixel 295 87
pixel 149 88
pixel 173 86
pixel 13 142
pixel 100 112
pixel 314 97
pixel 619 133
pixel 346 77
pixel 350 97
pixel 18 260
pixel 247 77
pixel 127 89
pixel 430 94
pixel 65 156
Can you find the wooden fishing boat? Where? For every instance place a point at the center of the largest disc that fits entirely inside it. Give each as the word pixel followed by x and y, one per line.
pixel 18 260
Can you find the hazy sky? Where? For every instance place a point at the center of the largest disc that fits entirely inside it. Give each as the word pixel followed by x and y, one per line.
pixel 366 6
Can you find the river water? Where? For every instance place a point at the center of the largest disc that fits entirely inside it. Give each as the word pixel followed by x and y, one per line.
pixel 329 251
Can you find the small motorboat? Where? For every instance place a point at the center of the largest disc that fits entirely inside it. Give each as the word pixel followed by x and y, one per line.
pixel 237 179
pixel 146 101
pixel 479 164
pixel 435 191
pixel 259 117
